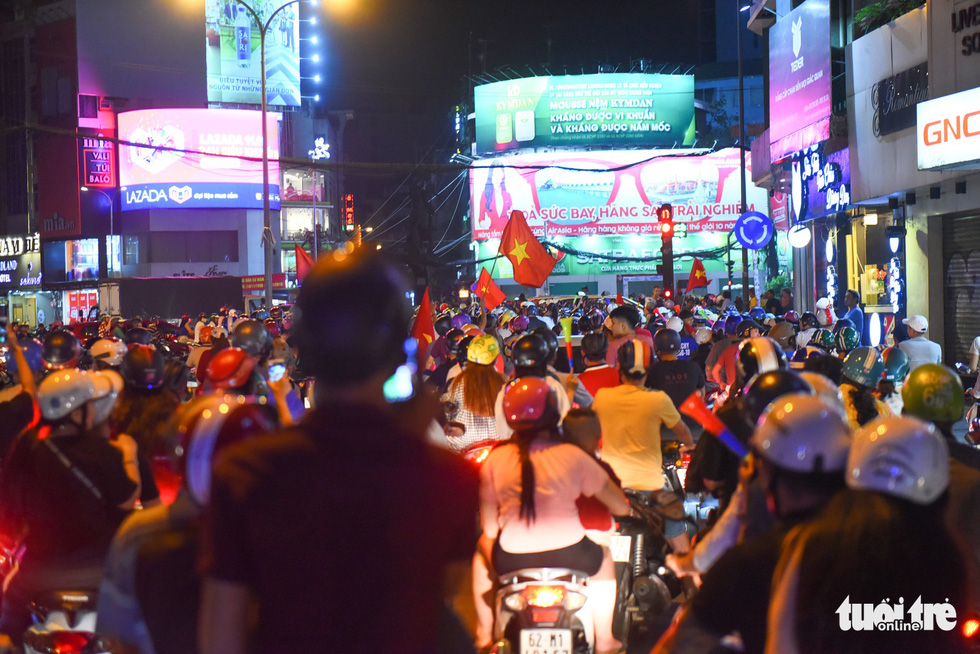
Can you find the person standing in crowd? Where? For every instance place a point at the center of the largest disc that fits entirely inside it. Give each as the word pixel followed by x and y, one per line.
pixel 854 313
pixel 621 325
pixel 350 509
pixel 975 355
pixel 676 377
pixel 919 349
pixel 597 374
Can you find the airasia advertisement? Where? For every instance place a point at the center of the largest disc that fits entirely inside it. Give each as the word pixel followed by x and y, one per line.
pixel 196 158
pixel 799 77
pixel 610 192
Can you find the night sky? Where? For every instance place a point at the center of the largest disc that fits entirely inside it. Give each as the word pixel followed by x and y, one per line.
pixel 406 60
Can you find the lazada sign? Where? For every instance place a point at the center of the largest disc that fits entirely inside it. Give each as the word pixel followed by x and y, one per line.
pixel 948 131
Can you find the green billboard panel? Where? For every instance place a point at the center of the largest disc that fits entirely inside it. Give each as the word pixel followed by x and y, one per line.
pixel 617 109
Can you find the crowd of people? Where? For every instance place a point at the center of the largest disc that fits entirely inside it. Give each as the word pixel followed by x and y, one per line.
pixel 263 483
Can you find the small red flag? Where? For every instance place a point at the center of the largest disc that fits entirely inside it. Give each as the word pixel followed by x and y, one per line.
pixel 304 263
pixel 532 263
pixel 698 276
pixel 487 289
pixel 423 330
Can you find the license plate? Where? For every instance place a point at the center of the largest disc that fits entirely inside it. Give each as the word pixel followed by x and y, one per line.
pixel 619 547
pixel 546 641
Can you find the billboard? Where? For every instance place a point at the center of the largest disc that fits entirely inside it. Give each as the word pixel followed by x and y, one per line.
pixel 622 109
pixel 799 77
pixel 196 158
pixel 233 56
pixel 610 192
pixel 97 158
pixel 948 131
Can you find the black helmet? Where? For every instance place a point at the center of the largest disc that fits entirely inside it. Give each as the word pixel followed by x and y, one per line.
pixel 531 310
pixel 808 320
pixel 587 323
pixel 139 336
pixel 253 337
pixel 353 318
pixel 594 346
pixel 759 355
pixel 491 322
pixel 463 346
pixel 766 388
pixel 667 341
pixel 453 338
pixel 530 351
pixel 551 339
pixel 443 324
pixel 842 323
pixel 143 368
pixel 61 350
pixel 745 326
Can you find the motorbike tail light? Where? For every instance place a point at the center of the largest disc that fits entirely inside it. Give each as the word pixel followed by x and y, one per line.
pixel 544 596
pixel 545 616
pixel 60 642
pixel 514 601
pixel 574 601
pixel 971 627
pixel 480 455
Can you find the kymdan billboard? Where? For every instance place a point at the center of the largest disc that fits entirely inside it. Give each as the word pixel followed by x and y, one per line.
pixel 611 109
pixel 799 78
pixel 610 192
pixel 196 158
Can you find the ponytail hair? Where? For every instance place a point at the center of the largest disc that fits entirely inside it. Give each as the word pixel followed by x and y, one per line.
pixel 864 403
pixel 523 440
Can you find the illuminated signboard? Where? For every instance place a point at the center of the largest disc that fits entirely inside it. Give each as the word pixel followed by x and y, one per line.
pixel 799 79
pixel 20 262
pixel 609 192
pixel 348 212
pixel 233 57
pixel 97 158
pixel 948 131
pixel 196 158
pixel 611 109
pixel 820 184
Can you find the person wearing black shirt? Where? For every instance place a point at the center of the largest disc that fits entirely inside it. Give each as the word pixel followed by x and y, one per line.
pixel 676 377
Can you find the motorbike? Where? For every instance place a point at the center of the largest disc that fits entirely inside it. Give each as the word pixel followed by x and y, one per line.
pixel 645 588
pixel 543 611
pixel 64 623
pixel 699 508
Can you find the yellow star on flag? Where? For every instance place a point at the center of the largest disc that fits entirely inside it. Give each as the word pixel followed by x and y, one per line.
pixel 699 273
pixel 520 252
pixel 485 289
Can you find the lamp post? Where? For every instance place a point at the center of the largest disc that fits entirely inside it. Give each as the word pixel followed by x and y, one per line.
pixel 108 246
pixel 267 218
pixel 741 147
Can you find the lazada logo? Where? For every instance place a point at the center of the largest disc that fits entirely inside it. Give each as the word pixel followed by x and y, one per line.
pixel 945 130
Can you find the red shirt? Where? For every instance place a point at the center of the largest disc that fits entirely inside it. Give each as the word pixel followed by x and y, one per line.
pixel 597 377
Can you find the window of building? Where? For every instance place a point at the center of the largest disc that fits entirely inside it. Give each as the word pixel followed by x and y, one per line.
pixel 131 249
pixel 298 185
pixel 193 247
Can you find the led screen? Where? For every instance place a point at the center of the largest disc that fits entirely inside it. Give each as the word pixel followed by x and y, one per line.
pixel 610 192
pixel 574 110
pixel 71 261
pixel 233 55
pixel 196 158
pixel 799 78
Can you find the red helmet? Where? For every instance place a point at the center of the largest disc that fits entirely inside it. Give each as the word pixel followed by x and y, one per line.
pixel 530 404
pixel 230 368
pixel 206 426
pixel 272 327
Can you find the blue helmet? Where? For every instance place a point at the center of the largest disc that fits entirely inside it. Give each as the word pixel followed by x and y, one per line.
pixel 731 324
pixel 32 353
pixel 757 314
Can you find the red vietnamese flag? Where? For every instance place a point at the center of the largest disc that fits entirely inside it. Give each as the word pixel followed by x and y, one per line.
pixel 487 289
pixel 422 329
pixel 532 263
pixel 698 276
pixel 304 263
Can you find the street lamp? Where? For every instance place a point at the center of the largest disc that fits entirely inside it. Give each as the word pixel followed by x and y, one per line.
pixel 266 214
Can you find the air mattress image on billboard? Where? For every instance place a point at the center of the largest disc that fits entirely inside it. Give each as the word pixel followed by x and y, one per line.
pixel 623 109
pixel 193 158
pixel 233 56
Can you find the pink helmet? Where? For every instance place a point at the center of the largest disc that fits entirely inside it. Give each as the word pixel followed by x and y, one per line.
pixel 530 404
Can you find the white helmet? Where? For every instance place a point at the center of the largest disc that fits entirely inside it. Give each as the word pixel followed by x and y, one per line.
pixel 825 312
pixel 104 405
pixel 675 323
pixel 803 433
pixel 899 456
pixel 63 391
pixel 108 351
pixel 702 335
pixel 827 390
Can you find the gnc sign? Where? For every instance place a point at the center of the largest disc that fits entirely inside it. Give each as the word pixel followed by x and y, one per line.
pixel 948 131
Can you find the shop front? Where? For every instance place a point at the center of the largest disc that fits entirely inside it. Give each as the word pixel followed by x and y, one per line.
pixel 21 297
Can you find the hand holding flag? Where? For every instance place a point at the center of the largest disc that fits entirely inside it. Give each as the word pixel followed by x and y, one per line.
pixel 488 290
